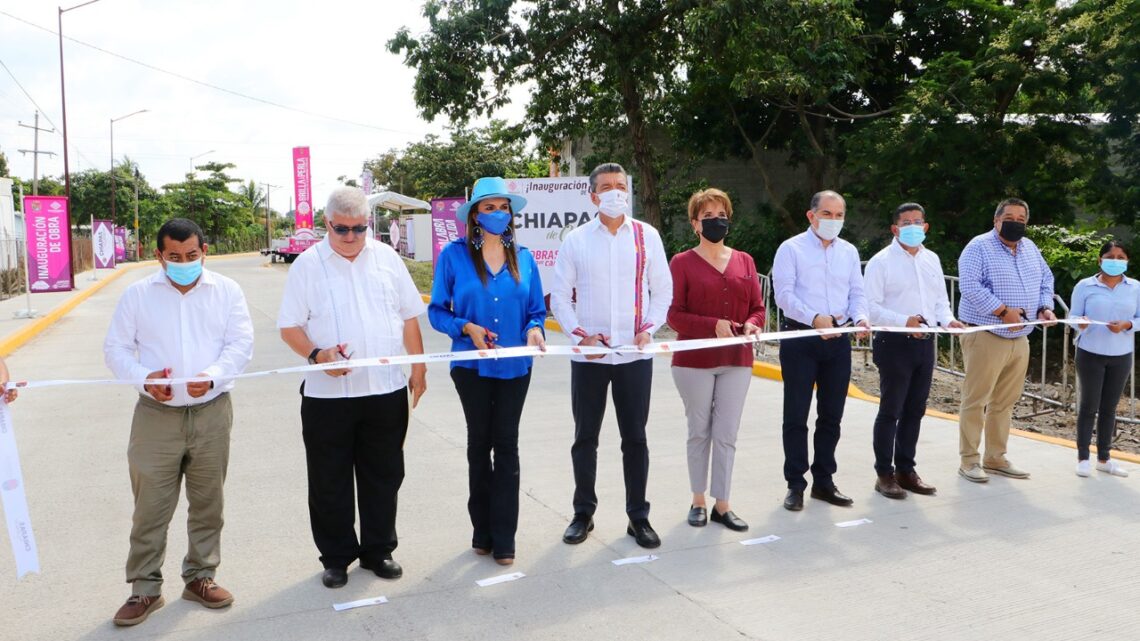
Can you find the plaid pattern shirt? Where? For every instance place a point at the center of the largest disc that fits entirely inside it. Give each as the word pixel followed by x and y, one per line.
pixel 991 275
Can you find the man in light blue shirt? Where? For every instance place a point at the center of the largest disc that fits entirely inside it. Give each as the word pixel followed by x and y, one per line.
pixel 818 283
pixel 1004 280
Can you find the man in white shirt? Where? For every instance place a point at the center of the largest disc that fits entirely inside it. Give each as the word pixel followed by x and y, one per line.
pixel 183 321
pixel 818 284
pixel 611 287
pixel 905 288
pixel 351 296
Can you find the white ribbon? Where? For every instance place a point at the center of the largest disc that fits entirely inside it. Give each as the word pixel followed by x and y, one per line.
pixel 15 501
pixel 664 347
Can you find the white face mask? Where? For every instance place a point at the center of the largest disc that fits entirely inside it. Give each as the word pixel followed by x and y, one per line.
pixel 829 228
pixel 614 203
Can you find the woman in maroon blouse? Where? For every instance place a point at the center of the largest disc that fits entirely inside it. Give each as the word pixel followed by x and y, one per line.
pixel 716 292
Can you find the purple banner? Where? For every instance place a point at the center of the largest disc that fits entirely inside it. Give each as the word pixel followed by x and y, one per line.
pixel 103 242
pixel 120 244
pixel 49 244
pixel 444 227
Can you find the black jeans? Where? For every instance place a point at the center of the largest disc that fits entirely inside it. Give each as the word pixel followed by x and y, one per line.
pixel 365 435
pixel 906 366
pixel 632 383
pixel 825 365
pixel 1102 381
pixel 493 408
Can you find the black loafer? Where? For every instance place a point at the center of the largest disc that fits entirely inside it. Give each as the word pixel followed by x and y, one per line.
pixel 832 495
pixel 335 577
pixel 794 501
pixel 385 568
pixel 580 527
pixel 729 520
pixel 643 533
pixel 698 517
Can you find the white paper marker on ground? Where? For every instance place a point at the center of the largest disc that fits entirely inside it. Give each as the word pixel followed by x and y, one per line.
pixel 854 523
pixel 502 578
pixel 636 559
pixel 764 539
pixel 360 604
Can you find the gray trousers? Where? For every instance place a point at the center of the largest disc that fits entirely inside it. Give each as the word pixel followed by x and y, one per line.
pixel 714 402
pixel 169 444
pixel 1102 380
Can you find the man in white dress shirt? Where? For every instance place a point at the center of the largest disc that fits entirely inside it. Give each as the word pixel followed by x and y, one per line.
pixel 905 288
pixel 183 321
pixel 351 296
pixel 611 287
pixel 818 284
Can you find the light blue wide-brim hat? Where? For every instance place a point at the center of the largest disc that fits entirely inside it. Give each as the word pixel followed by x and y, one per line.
pixel 489 187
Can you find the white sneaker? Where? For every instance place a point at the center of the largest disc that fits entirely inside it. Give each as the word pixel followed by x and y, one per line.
pixel 1084 468
pixel 1111 467
pixel 974 473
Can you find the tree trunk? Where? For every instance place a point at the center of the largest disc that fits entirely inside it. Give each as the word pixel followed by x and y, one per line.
pixel 642 151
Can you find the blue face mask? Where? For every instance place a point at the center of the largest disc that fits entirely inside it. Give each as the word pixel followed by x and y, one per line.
pixel 1114 266
pixel 184 273
pixel 495 222
pixel 911 235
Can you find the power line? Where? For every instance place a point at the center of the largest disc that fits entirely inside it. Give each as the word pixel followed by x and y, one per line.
pixel 207 84
pixel 33 100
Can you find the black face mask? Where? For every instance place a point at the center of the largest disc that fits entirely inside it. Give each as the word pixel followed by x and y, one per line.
pixel 714 229
pixel 1012 231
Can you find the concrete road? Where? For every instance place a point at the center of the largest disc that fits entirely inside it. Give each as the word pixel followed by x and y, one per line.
pixel 1054 557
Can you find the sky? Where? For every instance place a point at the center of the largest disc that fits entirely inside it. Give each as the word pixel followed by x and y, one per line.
pixel 327 58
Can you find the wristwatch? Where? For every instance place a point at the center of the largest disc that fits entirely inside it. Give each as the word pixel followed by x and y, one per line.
pixel 313 355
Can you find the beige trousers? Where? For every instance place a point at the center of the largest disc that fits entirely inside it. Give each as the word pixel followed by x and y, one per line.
pixel 167 444
pixel 995 378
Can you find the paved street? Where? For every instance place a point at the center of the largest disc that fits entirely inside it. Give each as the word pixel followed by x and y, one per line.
pixel 1055 557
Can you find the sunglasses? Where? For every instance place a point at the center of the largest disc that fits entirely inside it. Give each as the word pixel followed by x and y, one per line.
pixel 342 230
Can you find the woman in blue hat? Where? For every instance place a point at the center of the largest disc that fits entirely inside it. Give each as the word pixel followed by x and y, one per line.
pixel 487 294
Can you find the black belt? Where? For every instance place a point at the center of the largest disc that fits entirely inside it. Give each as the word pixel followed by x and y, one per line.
pixel 794 324
pixel 923 337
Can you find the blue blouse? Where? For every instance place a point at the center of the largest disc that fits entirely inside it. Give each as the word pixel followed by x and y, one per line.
pixel 1095 300
pixel 508 308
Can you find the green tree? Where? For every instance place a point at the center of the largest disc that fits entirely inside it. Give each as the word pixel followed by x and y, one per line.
pixel 3 165
pixel 593 67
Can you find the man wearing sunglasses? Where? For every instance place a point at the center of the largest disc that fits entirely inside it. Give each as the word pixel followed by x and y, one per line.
pixel 350 296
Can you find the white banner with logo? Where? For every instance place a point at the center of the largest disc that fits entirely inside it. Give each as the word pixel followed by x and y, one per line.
pixel 15 501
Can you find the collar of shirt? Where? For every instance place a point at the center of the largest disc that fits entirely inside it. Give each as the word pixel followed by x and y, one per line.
pixel 1127 282
pixel 326 251
pixel 626 223
pixel 996 241
pixel 897 248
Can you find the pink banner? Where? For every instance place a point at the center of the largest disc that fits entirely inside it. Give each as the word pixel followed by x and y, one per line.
pixel 444 227
pixel 120 244
pixel 49 245
pixel 302 188
pixel 103 239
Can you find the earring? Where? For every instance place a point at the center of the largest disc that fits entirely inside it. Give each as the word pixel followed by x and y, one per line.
pixel 507 239
pixel 477 241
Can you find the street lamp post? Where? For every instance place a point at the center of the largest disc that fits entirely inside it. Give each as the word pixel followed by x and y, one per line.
pixel 268 213
pixel 63 109
pixel 94 259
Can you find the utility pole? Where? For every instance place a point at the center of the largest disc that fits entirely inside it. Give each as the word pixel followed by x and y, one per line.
pixel 35 151
pixel 268 213
pixel 138 239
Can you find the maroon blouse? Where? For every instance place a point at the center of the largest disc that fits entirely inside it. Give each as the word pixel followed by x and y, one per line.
pixel 702 296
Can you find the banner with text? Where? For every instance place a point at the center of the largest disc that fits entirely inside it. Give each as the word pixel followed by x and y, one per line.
pixel 49 245
pixel 444 227
pixel 303 188
pixel 103 241
pixel 120 244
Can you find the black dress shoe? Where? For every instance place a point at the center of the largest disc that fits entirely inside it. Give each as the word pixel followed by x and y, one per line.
pixel 794 501
pixel 643 532
pixel 729 520
pixel 384 568
pixel 832 495
pixel 578 529
pixel 335 577
pixel 698 517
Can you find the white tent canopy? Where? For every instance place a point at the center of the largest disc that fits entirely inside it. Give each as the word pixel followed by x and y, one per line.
pixel 397 202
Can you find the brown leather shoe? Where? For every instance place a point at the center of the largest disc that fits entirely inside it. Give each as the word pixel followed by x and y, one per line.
pixel 889 487
pixel 208 593
pixel 911 481
pixel 137 609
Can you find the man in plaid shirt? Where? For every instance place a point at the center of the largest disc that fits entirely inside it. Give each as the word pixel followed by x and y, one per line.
pixel 1004 280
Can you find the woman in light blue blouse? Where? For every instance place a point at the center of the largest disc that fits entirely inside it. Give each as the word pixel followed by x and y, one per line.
pixel 487 294
pixel 1104 353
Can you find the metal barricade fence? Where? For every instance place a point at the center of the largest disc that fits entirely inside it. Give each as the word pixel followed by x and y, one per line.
pixel 949 348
